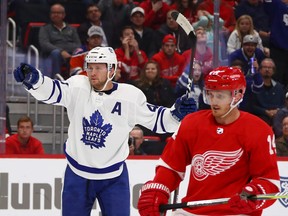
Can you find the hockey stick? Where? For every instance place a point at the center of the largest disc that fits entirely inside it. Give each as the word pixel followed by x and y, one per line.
pixel 189 30
pixel 191 204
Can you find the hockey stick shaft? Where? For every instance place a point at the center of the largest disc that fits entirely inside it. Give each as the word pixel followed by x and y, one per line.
pixel 188 28
pixel 191 204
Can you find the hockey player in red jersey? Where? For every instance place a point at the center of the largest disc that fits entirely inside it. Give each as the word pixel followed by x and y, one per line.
pixel 231 153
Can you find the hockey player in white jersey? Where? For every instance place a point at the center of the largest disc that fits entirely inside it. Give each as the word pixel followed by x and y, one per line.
pixel 101 114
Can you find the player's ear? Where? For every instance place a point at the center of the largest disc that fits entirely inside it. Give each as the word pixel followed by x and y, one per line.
pixel 238 96
pixel 111 72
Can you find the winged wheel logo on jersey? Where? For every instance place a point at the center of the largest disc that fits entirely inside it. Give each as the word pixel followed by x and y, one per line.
pixel 95 131
pixel 213 163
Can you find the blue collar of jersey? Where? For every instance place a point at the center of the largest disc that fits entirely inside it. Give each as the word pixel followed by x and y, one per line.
pixel 108 92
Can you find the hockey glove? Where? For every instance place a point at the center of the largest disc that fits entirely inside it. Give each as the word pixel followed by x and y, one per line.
pixel 183 106
pixel 152 196
pixel 241 204
pixel 27 74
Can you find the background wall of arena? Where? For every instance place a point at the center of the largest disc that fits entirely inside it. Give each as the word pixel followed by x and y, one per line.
pixel 32 186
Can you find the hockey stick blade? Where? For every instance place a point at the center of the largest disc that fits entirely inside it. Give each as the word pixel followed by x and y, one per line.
pixel 189 30
pixel 184 23
pixel 191 204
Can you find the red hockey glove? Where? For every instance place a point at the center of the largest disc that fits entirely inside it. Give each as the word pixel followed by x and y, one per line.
pixel 152 196
pixel 240 202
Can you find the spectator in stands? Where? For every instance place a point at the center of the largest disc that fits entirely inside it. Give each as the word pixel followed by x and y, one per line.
pixel 157 90
pixel 156 12
pixel 247 54
pixel 282 142
pixel 23 142
pixel 277 120
pixel 130 58
pixel 137 134
pixel 187 8
pixel 197 83
pixel 277 11
pixel 172 64
pixel 93 16
pixel 58 40
pixel 255 9
pixel 226 13
pixel 131 143
pixel 203 53
pixel 254 84
pixel 95 38
pixel 266 103
pixel 207 22
pixel 117 13
pixel 25 12
pixel 145 36
pixel 244 26
pixel 87 2
pixel 173 28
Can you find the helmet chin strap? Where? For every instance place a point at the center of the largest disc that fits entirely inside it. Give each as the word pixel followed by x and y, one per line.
pixel 232 106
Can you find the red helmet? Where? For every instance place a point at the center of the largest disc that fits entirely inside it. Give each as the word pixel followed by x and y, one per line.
pixel 225 78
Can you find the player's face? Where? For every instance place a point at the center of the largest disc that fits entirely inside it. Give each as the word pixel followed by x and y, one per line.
pixel 219 101
pixel 25 130
pixel 97 74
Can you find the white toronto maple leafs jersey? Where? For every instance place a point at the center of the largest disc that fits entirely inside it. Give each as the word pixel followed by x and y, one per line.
pixel 98 133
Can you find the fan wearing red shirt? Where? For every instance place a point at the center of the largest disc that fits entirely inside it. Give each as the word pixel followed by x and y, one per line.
pixel 155 13
pixel 171 63
pixel 130 58
pixel 226 12
pixel 23 142
pixel 232 154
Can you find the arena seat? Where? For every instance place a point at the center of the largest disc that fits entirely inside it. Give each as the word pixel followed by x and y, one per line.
pixel 31 34
pixel 153 145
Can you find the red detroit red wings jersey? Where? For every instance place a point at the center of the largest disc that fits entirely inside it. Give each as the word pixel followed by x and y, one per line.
pixel 223 158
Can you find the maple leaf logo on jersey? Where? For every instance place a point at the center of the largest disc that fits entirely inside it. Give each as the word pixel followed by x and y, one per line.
pixel 95 132
pixel 213 163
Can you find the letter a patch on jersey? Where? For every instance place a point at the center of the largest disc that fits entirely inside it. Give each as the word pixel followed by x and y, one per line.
pixel 95 131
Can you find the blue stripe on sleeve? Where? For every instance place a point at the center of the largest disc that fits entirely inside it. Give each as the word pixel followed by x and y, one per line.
pixel 60 92
pixel 158 114
pixel 52 92
pixel 161 120
pixel 56 84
